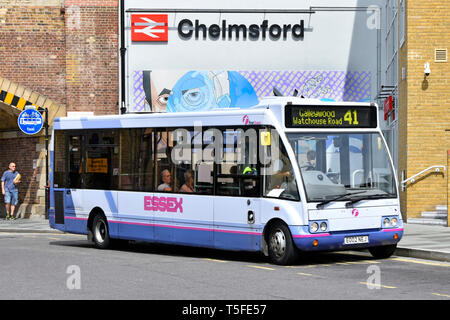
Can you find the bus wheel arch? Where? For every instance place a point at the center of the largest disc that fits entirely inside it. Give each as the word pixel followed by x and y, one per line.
pixel 278 243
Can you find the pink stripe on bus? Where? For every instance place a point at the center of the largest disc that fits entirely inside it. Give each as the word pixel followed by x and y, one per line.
pixel 74 218
pixel 186 228
pixel 312 235
pixel 392 230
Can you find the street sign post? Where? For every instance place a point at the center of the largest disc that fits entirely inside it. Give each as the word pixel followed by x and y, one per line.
pixel 30 121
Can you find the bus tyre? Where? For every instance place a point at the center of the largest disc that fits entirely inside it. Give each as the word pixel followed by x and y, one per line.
pixel 383 252
pixel 282 250
pixel 100 232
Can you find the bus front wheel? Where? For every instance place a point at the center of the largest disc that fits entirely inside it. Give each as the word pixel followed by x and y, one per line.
pixel 383 252
pixel 100 232
pixel 282 250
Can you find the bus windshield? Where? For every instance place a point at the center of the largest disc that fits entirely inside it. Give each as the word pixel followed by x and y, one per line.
pixel 343 165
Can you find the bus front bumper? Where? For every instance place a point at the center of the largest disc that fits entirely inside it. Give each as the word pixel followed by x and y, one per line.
pixel 344 240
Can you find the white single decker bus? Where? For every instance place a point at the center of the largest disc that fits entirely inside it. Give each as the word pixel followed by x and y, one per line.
pixel 286 176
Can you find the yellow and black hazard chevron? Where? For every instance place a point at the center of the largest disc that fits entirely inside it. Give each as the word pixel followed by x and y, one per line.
pixel 15 101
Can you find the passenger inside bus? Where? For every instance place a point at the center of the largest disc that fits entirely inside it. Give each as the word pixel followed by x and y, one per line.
pixel 188 186
pixel 166 178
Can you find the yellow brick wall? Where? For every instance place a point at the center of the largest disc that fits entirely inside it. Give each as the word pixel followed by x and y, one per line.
pixel 448 178
pixel 425 106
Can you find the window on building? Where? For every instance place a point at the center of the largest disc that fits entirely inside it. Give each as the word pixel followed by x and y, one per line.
pixel 402 22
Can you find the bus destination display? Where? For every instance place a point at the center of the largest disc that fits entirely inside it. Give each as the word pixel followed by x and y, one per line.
pixel 330 116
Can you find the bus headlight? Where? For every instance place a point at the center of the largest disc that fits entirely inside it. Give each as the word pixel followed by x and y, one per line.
pixel 390 222
pixel 318 226
pixel 394 222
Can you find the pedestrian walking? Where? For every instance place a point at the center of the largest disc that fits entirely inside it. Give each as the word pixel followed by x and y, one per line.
pixel 10 180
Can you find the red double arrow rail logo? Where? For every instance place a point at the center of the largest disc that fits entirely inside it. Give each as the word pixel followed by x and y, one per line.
pixel 149 27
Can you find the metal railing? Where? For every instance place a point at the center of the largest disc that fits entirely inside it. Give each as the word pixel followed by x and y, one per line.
pixel 413 178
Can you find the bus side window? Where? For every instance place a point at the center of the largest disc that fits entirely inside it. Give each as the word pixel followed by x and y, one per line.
pixel 163 167
pixel 143 159
pixel 250 185
pixel 250 169
pixel 136 160
pixel 181 159
pixel 279 174
pixel 126 164
pixel 76 171
pixel 228 183
pixel 60 162
pixel 203 179
pixel 102 160
pixel 237 173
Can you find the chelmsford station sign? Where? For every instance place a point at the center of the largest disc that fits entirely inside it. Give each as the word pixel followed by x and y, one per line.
pixel 154 27
pixel 187 29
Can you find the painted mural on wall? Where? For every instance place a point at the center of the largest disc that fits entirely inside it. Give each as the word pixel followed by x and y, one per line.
pixel 182 90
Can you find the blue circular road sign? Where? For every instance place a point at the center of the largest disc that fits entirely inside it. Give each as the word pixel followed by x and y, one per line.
pixel 30 121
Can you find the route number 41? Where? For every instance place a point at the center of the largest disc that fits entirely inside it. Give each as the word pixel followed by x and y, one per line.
pixel 351 117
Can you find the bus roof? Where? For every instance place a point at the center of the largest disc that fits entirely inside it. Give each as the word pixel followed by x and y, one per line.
pixel 267 112
pixel 283 101
pixel 178 119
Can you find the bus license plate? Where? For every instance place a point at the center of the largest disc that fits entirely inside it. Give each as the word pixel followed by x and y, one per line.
pixel 356 240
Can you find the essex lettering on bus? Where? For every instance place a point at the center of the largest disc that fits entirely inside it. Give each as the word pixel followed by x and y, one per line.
pixel 163 204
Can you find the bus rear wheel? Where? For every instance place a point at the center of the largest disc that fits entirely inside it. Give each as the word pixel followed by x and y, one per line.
pixel 383 252
pixel 282 250
pixel 100 232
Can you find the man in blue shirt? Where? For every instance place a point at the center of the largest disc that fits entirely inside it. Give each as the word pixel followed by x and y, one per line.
pixel 10 180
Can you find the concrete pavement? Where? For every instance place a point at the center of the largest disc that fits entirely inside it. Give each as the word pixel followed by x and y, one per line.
pixel 36 225
pixel 419 241
pixel 425 242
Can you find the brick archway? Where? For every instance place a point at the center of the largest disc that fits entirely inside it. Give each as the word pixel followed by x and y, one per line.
pixel 14 98
pixel 27 151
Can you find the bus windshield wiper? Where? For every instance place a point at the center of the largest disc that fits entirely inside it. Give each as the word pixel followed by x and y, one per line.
pixel 323 203
pixel 372 196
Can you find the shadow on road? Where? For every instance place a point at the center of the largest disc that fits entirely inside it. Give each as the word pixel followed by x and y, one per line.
pixel 138 247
